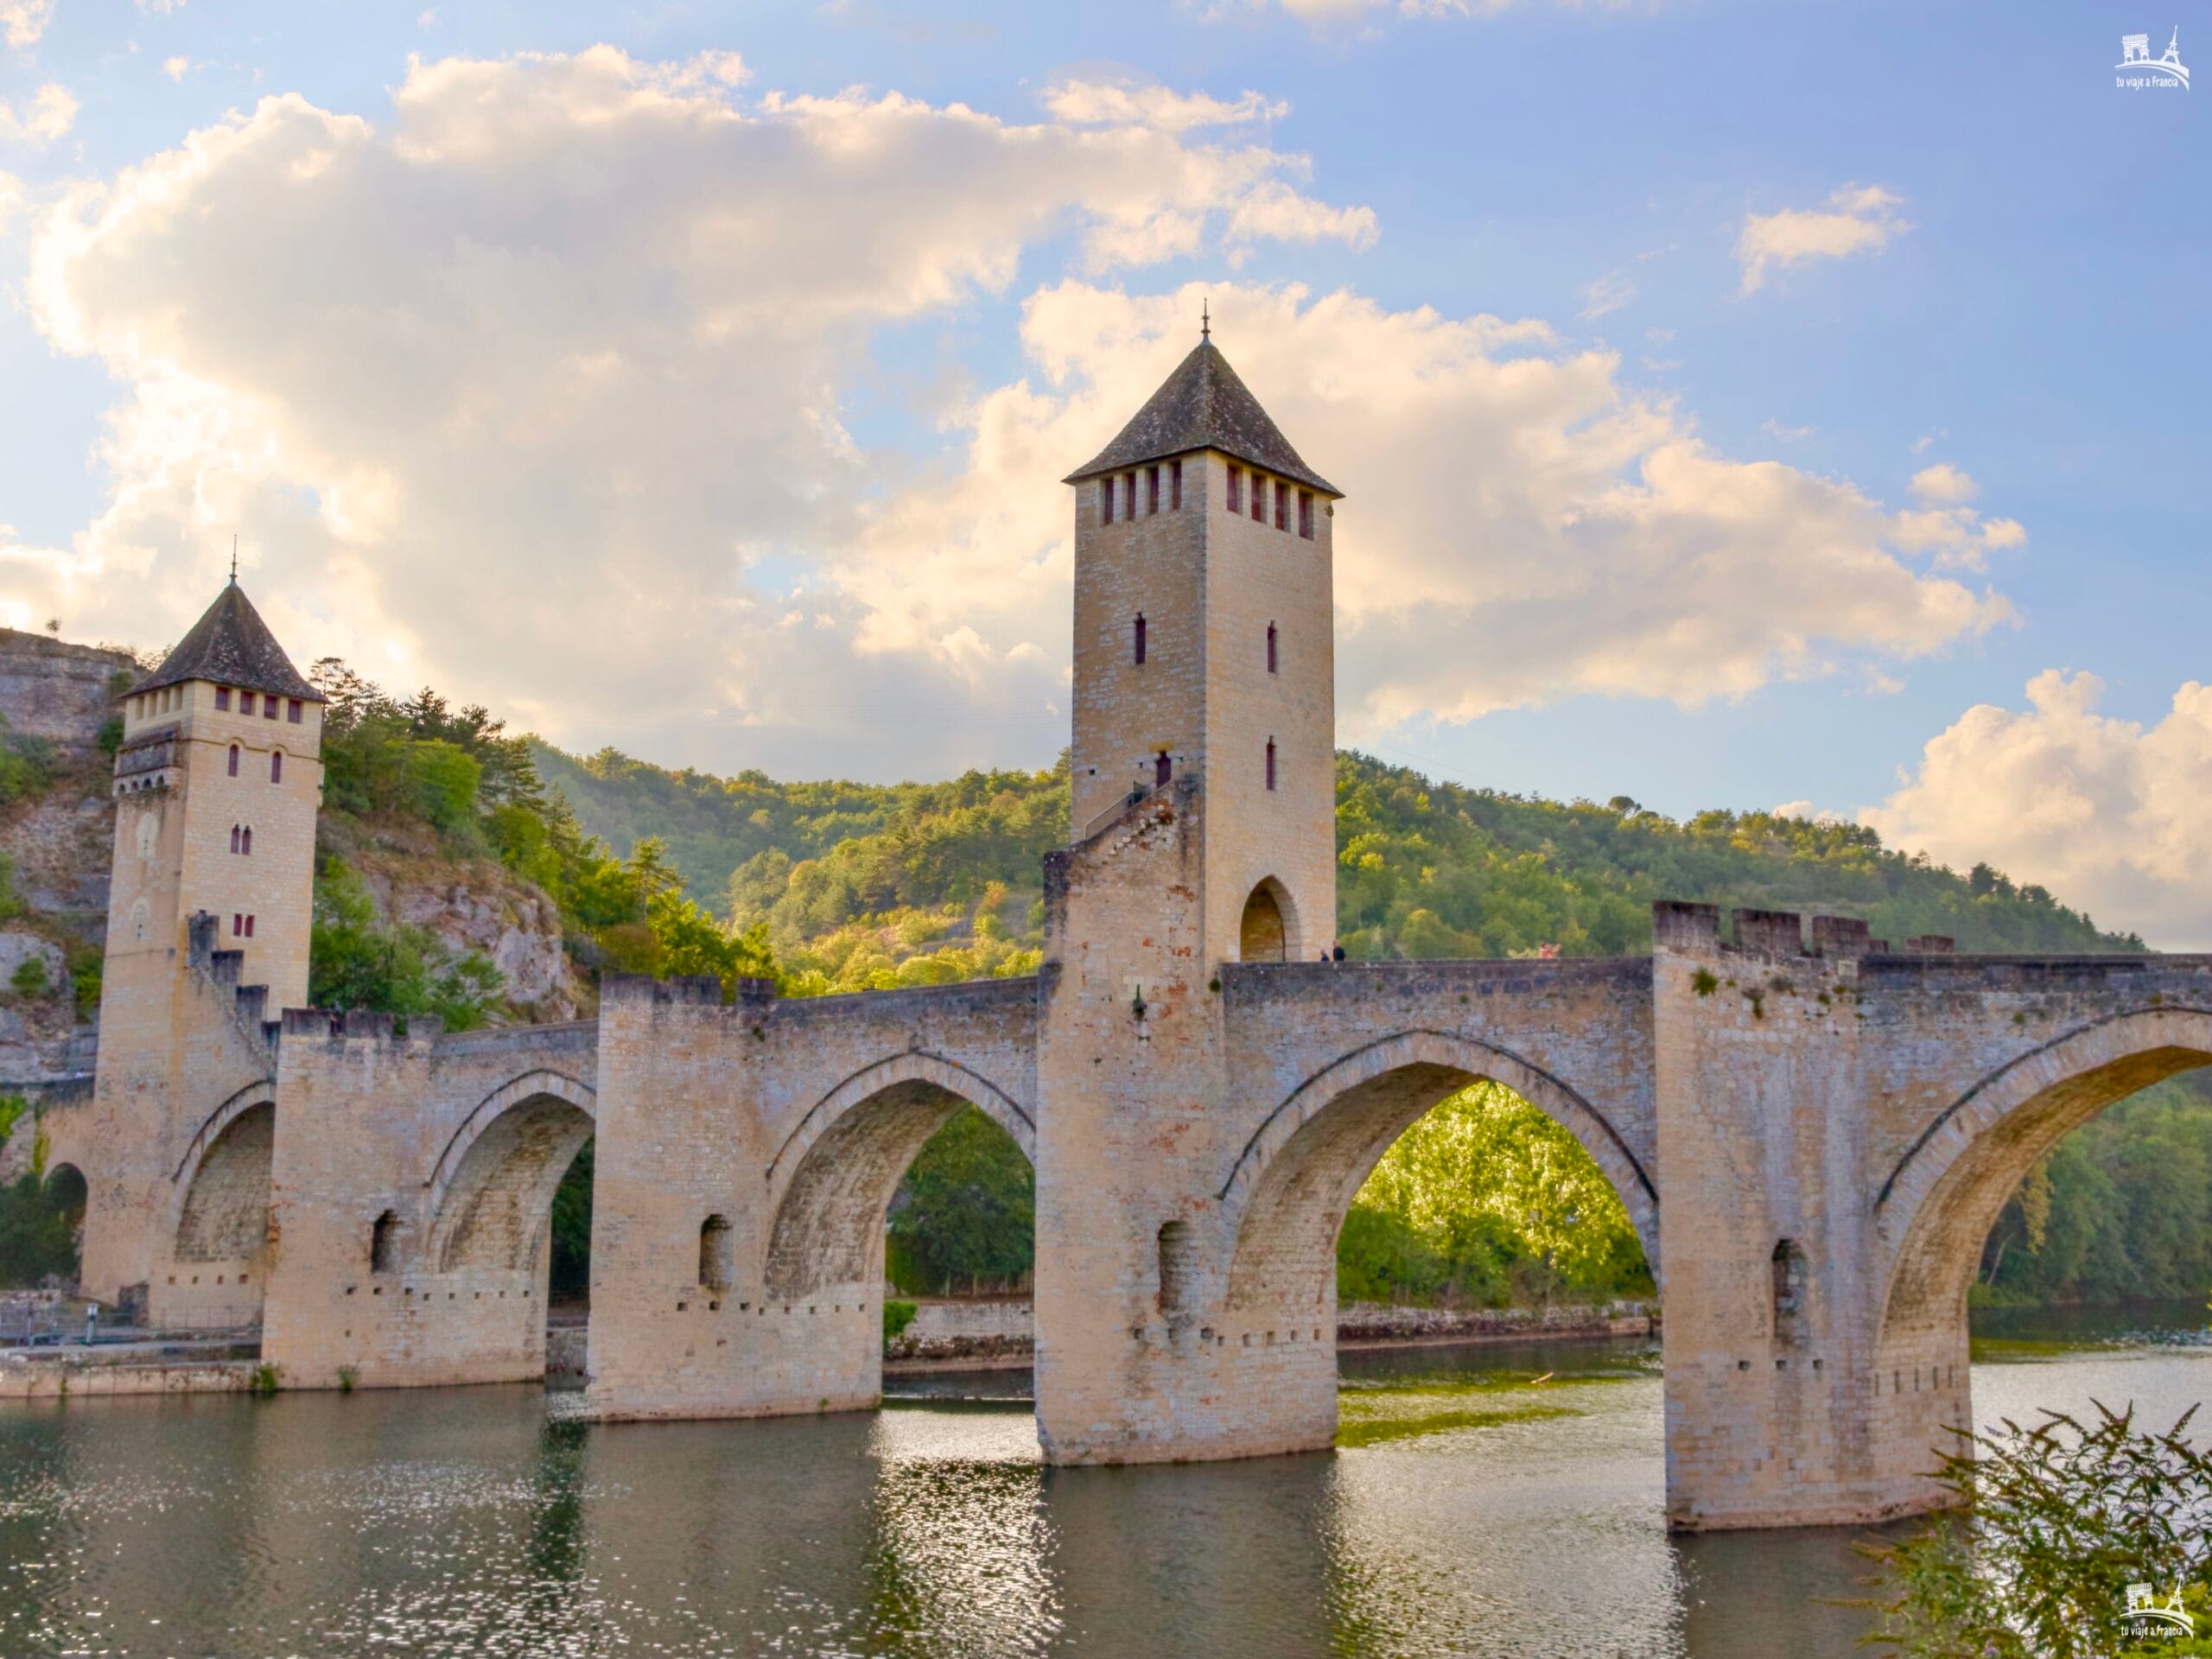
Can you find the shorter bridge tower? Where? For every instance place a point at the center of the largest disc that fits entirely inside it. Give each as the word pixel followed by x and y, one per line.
pixel 218 781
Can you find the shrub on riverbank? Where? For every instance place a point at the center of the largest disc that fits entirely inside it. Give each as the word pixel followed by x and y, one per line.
pixel 2068 1532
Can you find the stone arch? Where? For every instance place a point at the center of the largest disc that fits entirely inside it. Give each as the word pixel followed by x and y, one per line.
pixel 1944 1192
pixel 556 1085
pixel 1286 1198
pixel 492 1193
pixel 260 1092
pixel 835 1173
pixel 1268 931
pixel 223 1214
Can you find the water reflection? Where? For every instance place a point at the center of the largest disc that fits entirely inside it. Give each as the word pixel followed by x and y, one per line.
pixel 468 1522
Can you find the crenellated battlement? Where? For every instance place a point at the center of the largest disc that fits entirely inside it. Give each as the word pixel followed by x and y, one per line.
pixel 1688 930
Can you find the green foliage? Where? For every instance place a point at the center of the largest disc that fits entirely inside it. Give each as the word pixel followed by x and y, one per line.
pixel 896 1316
pixel 966 1215
pixel 2121 1208
pixel 26 766
pixel 38 1228
pixel 571 1270
pixel 110 736
pixel 358 960
pixel 1485 1202
pixel 29 978
pixel 1431 869
pixel 2059 1520
pixel 265 1380
pixel 86 964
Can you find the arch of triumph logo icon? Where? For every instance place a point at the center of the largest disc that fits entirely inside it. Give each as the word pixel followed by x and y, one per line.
pixel 2164 71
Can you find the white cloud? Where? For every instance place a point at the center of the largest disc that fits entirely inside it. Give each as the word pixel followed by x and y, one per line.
pixel 1775 429
pixel 22 22
pixel 1608 293
pixel 47 116
pixel 159 8
pixel 536 392
pixel 2108 814
pixel 177 68
pixel 1090 103
pixel 11 198
pixel 1860 218
pixel 1943 484
pixel 1520 528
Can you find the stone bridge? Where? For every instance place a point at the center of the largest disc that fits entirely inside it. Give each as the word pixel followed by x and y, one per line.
pixel 1811 1132
pixel 1826 1128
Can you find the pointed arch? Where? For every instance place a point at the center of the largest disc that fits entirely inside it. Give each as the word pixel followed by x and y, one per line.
pixel 1944 1193
pixel 1285 1197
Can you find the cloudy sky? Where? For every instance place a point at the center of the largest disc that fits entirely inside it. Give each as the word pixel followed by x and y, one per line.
pixel 1740 404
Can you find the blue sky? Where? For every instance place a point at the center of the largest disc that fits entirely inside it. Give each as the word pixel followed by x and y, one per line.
pixel 2024 306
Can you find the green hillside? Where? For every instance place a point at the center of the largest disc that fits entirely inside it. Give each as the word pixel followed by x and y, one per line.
pixel 1426 869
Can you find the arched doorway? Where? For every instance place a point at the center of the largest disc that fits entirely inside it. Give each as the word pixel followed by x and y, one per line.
pixel 1265 933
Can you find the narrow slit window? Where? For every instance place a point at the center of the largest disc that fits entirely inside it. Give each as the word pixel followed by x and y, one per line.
pixel 1163 768
pixel 245 847
pixel 234 759
pixel 1259 499
pixel 292 711
pixel 245 703
pixel 1137 640
pixel 380 1242
pixel 237 924
pixel 1282 508
pixel 1152 489
pixel 269 708
pixel 235 833
pixel 1237 489
pixel 276 766
pixel 1105 500
pixel 249 927
pixel 1271 647
pixel 1271 763
pixel 223 697
pixel 1174 486
pixel 1306 514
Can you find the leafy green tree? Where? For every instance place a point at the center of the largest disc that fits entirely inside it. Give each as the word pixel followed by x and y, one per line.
pixel 965 1214
pixel 1485 1201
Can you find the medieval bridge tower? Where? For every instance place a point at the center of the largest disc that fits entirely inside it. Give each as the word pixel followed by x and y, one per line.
pixel 1833 1123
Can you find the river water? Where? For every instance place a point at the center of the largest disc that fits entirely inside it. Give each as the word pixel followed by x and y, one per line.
pixel 478 1522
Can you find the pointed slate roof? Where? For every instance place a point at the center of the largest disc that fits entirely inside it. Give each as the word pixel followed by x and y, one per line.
pixel 1203 405
pixel 232 645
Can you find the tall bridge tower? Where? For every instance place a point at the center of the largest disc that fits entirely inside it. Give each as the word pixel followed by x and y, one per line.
pixel 1204 644
pixel 1204 839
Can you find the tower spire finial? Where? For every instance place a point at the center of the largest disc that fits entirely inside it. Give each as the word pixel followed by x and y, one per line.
pixel 234 558
pixel 1205 321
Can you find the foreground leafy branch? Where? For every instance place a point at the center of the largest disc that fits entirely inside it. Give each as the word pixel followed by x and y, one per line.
pixel 2056 1523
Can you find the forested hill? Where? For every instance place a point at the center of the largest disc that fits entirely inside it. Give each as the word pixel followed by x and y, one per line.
pixel 1426 869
